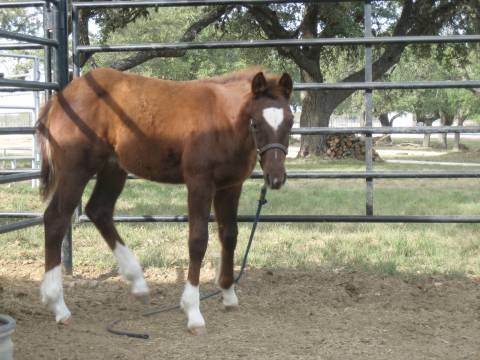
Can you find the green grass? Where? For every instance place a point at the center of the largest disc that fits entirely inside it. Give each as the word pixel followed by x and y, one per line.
pixel 471 155
pixel 380 248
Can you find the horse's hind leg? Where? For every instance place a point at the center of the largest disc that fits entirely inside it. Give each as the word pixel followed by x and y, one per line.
pixel 109 185
pixel 226 206
pixel 57 218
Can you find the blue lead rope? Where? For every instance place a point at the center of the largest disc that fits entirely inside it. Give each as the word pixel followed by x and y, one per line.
pixel 261 201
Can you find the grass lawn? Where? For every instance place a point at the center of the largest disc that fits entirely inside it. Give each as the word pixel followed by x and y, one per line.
pixel 472 154
pixel 381 248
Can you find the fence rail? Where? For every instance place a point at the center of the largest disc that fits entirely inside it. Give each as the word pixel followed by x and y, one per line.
pixel 387 130
pixel 23 4
pixel 294 175
pixel 238 44
pixel 424 219
pixel 28 38
pixel 20 46
pixel 179 3
pixel 20 225
pixel 36 85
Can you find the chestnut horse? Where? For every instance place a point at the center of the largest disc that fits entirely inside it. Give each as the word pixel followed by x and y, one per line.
pixel 204 133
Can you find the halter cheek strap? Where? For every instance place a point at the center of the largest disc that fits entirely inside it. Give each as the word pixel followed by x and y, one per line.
pixel 267 147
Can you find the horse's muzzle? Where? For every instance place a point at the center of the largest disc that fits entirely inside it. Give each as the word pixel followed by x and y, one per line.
pixel 275 182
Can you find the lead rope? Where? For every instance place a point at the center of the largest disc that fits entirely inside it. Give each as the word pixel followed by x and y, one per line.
pixel 261 201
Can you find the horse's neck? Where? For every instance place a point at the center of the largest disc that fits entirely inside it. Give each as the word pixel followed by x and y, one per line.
pixel 235 98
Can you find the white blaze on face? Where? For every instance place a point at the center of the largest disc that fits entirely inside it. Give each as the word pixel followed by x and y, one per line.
pixel 273 117
pixel 52 294
pixel 130 269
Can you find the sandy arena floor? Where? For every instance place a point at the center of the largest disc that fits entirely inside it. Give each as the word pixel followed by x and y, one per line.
pixel 285 314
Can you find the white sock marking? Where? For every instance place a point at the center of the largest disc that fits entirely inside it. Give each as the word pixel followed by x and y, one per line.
pixel 273 117
pixel 229 296
pixel 51 292
pixel 190 303
pixel 130 269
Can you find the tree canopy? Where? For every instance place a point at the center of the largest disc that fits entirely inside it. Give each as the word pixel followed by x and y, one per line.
pixel 307 63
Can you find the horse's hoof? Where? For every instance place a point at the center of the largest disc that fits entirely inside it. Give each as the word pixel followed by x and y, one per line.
pixel 65 321
pixel 232 308
pixel 198 330
pixel 143 298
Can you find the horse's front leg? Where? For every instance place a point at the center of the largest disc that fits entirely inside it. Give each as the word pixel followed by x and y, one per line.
pixel 226 207
pixel 200 197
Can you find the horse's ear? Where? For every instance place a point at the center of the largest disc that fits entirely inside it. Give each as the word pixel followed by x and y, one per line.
pixel 287 85
pixel 259 84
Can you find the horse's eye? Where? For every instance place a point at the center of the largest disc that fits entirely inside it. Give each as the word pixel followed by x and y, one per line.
pixel 253 125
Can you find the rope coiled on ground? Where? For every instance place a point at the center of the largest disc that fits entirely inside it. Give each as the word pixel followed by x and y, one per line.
pixel 111 327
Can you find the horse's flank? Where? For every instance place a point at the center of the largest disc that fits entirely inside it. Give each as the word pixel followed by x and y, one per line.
pixel 160 130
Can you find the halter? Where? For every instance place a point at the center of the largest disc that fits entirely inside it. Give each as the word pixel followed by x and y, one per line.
pixel 267 147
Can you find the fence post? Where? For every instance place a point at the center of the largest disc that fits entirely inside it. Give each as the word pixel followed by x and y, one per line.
pixel 368 107
pixel 61 72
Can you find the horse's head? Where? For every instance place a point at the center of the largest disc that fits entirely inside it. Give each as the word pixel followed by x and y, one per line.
pixel 271 121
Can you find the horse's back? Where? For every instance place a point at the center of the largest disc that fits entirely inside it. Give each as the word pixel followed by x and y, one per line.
pixel 152 126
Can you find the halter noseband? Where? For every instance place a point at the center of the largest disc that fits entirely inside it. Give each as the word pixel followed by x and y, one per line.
pixel 267 147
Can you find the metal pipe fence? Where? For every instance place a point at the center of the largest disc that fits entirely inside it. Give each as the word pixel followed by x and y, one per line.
pixel 20 46
pixel 242 44
pixel 57 19
pixel 368 85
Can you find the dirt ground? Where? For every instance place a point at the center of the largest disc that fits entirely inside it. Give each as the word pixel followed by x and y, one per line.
pixel 285 314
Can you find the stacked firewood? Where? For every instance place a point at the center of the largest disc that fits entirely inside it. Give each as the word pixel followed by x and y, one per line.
pixel 347 146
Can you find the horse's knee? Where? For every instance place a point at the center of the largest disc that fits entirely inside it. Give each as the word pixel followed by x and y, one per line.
pixel 97 213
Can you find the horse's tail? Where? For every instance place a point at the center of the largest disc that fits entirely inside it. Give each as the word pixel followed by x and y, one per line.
pixel 47 171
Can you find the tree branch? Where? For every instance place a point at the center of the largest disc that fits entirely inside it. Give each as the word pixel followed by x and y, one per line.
pixel 416 19
pixel 466 76
pixel 190 34
pixel 270 24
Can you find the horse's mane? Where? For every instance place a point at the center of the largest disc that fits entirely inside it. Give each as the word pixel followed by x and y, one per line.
pixel 240 75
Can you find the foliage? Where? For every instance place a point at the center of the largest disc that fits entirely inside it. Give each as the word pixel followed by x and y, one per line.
pixel 456 103
pixel 170 24
pixel 21 20
pixel 24 21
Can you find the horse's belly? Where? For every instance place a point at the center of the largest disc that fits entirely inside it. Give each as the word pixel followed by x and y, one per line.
pixel 153 164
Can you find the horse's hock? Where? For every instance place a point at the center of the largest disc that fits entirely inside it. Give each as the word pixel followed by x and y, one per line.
pixel 7 327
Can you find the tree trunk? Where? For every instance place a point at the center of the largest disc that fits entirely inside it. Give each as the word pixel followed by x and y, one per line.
pixel 445 120
pixel 426 121
pixel 456 140
pixel 426 140
pixel 383 117
pixel 315 112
